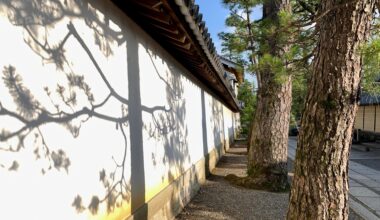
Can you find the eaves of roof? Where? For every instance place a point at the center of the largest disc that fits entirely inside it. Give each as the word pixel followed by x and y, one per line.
pixel 368 99
pixel 178 26
pixel 231 66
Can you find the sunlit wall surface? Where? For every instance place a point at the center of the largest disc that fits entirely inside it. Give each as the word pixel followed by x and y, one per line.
pixel 96 118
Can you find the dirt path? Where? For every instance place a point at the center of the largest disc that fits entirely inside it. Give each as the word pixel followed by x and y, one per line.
pixel 218 199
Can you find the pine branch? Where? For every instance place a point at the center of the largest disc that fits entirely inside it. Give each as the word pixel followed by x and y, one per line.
pixel 307 7
pixel 323 14
pixel 301 60
pixel 238 15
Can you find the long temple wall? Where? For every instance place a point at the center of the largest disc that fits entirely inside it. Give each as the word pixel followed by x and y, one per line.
pixel 97 121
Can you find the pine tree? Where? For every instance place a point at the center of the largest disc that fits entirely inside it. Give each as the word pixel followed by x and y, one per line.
pixel 274 54
pixel 269 138
pixel 320 184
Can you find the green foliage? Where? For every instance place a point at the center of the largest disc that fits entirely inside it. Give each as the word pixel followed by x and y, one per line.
pixel 371 66
pixel 232 44
pixel 275 31
pixel 278 45
pixel 246 95
pixel 238 43
pixel 241 4
pixel 299 90
pixel 277 35
pixel 274 65
pixel 285 19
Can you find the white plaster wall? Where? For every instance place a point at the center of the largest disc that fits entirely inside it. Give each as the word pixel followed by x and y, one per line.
pixel 126 108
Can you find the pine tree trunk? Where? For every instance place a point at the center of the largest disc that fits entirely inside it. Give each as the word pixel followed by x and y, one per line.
pixel 269 140
pixel 320 185
pixel 268 143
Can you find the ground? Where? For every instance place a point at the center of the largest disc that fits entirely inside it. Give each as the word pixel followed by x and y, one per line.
pixel 218 199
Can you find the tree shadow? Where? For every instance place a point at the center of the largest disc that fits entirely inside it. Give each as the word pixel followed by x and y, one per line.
pixel 218 125
pixel 170 127
pixel 37 18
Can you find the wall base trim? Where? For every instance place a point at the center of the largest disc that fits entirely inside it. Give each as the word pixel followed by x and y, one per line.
pixel 170 201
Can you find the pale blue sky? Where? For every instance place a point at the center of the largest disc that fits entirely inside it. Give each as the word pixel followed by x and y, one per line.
pixel 215 14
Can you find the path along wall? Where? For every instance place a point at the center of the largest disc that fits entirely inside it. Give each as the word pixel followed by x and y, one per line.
pixel 97 121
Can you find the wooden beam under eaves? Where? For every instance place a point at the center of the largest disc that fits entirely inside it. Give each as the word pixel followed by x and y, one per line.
pixel 157 5
pixel 169 29
pixel 149 4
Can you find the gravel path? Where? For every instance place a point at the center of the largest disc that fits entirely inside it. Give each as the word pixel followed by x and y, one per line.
pixel 218 199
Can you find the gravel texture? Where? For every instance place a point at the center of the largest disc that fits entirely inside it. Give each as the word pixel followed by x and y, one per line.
pixel 218 199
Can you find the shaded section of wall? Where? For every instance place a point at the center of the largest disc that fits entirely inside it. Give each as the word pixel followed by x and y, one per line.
pixel 204 133
pixel 136 128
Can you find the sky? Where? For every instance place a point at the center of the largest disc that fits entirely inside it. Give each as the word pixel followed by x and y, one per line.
pixel 215 14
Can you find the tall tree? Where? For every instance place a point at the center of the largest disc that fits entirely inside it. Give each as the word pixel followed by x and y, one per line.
pixel 269 138
pixel 320 184
pixel 273 53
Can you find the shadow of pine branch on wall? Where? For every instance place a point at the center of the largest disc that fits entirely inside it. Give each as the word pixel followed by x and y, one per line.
pixel 33 115
pixel 66 109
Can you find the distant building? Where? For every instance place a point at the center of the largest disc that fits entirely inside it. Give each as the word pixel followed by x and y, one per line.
pixel 234 74
pixel 368 117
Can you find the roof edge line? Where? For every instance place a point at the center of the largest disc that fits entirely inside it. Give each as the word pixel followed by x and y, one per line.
pixel 215 62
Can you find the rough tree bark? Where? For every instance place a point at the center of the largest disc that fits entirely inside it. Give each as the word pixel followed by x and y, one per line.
pixel 320 184
pixel 268 141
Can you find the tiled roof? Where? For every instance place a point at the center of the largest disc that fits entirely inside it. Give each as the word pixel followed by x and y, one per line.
pixel 237 69
pixel 367 99
pixel 179 27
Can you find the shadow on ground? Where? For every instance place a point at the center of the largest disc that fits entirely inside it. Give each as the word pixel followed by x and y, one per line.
pixel 218 199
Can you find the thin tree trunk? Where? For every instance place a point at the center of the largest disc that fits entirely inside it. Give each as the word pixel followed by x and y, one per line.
pixel 252 44
pixel 268 152
pixel 320 184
